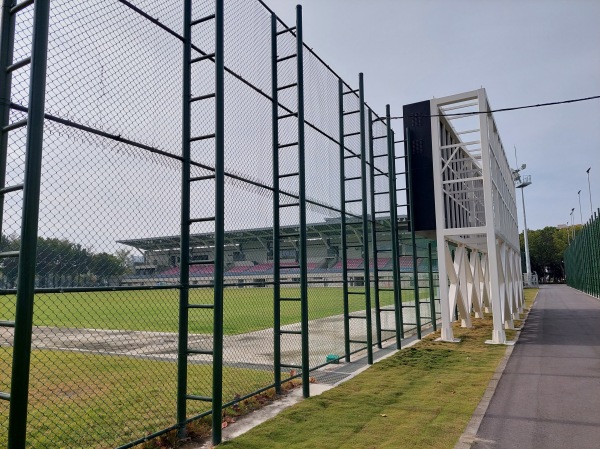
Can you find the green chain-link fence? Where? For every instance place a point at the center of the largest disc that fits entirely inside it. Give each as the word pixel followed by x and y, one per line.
pixel 582 258
pixel 195 208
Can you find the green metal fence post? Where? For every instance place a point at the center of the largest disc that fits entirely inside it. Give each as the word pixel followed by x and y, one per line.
pixel 182 347
pixel 399 245
pixel 303 257
pixel 431 290
pixel 343 224
pixel 217 402
pixel 276 241
pixel 19 394
pixel 597 252
pixel 412 233
pixel 374 233
pixel 365 218
pixel 394 226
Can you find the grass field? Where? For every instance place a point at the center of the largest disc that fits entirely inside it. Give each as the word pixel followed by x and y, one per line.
pixel 93 401
pixel 420 398
pixel 245 309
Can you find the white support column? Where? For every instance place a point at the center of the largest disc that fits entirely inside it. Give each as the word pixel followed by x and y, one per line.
pixel 443 251
pixel 519 282
pixel 485 284
pixel 459 277
pixel 514 285
pixel 498 334
pixel 504 285
pixel 445 309
pixel 475 265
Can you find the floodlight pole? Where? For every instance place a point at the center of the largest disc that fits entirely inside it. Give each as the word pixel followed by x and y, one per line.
pixel 590 191
pixel 572 228
pixel 521 184
pixel 526 240
pixel 580 213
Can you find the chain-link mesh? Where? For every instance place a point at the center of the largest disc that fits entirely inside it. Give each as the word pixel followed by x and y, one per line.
pixel 582 258
pixel 108 278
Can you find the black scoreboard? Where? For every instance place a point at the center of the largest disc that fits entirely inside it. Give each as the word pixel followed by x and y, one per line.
pixel 417 138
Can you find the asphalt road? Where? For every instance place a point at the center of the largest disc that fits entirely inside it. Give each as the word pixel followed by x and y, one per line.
pixel 549 394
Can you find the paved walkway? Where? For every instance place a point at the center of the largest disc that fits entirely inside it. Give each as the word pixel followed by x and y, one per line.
pixel 549 394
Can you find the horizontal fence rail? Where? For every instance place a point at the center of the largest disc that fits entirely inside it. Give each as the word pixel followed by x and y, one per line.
pixel 194 209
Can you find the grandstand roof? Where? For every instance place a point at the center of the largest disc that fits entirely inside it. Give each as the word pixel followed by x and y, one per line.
pixel 329 228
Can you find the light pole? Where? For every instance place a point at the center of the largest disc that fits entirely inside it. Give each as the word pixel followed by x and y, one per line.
pixel 521 183
pixel 590 190
pixel 580 213
pixel 572 227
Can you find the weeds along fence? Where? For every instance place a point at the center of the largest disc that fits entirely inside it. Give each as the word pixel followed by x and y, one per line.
pixel 582 258
pixel 195 208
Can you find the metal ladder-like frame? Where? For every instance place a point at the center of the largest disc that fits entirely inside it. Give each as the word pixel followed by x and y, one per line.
pixel 34 122
pixel 217 178
pixel 392 229
pixel 345 225
pixel 301 235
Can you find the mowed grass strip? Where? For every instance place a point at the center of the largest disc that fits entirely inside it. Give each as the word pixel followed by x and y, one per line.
pixel 420 398
pixel 96 401
pixel 245 309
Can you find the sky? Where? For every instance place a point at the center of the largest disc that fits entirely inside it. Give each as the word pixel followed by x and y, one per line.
pixel 522 52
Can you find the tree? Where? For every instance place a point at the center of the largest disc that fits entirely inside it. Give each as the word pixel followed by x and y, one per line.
pixel 61 263
pixel 546 249
pixel 106 266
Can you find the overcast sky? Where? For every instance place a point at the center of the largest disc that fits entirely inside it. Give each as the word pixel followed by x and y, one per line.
pixel 523 52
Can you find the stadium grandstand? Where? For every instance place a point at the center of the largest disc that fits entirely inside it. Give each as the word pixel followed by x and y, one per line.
pixel 249 256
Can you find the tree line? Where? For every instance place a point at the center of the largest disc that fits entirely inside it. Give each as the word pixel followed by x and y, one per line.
pixel 61 263
pixel 546 249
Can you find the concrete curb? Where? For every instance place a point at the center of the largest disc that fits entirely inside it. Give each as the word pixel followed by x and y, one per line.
pixel 469 436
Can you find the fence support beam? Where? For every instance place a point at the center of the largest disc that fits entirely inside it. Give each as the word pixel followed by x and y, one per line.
pixel 343 224
pixel 185 219
pixel 276 242
pixel 365 218
pixel 217 396
pixel 394 227
pixel 19 393
pixel 303 257
pixel 413 240
pixel 374 233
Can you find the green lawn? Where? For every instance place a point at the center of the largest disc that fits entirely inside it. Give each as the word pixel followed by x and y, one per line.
pixel 420 398
pixel 94 401
pixel 245 309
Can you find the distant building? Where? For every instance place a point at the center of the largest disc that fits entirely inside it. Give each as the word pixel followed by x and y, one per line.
pixel 249 256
